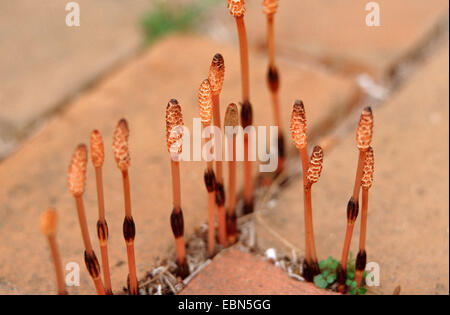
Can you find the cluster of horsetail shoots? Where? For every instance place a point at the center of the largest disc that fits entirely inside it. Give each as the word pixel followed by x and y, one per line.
pixel 237 10
pixel 77 183
pixel 209 112
pixel 122 157
pixel 97 158
pixel 174 136
pixel 49 220
pixel 363 140
pixel 231 120
pixel 273 80
pixel 205 108
pixel 216 77
pixel 311 173
pixel 366 184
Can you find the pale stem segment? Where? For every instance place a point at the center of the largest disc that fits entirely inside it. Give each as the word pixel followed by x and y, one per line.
pixel 58 265
pixel 243 46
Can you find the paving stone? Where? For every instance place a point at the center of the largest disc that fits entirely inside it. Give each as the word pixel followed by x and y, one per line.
pixel 238 273
pixel 43 61
pixel 35 176
pixel 335 33
pixel 408 205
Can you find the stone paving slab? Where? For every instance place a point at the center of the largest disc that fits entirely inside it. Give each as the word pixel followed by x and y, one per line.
pixel 335 33
pixel 238 273
pixel 408 231
pixel 43 61
pixel 35 176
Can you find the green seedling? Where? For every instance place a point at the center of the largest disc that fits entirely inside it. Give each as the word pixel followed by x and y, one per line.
pixel 328 275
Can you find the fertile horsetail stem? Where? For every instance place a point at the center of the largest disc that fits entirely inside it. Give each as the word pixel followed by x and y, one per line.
pixel 174 137
pixel 205 108
pixel 216 77
pixel 300 139
pixel 273 79
pixel 237 9
pixel 364 134
pixel 98 157
pixel 77 183
pixel 231 121
pixel 122 157
pixel 49 220
pixel 366 184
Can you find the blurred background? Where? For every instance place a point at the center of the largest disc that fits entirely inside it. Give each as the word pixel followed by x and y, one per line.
pixel 127 58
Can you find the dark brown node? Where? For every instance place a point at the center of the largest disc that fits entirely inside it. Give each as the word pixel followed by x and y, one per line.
pixel 92 264
pixel 273 79
pixel 246 114
pixel 231 224
pixel 220 194
pixel 248 207
pixel 102 231
pixel 183 269
pixel 361 260
pixel 210 180
pixel 352 210
pixel 308 273
pixel 129 289
pixel 341 276
pixel 129 229
pixel 177 223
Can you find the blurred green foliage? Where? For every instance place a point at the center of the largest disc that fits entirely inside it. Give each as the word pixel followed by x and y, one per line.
pixel 168 17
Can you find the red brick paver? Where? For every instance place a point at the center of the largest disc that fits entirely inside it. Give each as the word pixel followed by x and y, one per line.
pixel 235 272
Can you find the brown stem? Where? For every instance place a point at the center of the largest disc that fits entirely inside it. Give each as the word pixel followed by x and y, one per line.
pixel 132 268
pixel 83 224
pixel 103 243
pixel 309 223
pixel 217 123
pixel 364 210
pixel 176 190
pixel 347 242
pixel 219 174
pixel 309 237
pixel 248 182
pixel 126 192
pixel 243 46
pixel 100 196
pixel 361 259
pixel 105 265
pixel 211 229
pixel 99 286
pixel 276 109
pixel 58 265
pixel 270 40
pixel 87 241
pixel 181 250
pixel 359 174
pixel 232 179
pixel 129 233
pixel 177 221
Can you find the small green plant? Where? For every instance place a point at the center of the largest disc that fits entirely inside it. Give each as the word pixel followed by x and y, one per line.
pixel 328 275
